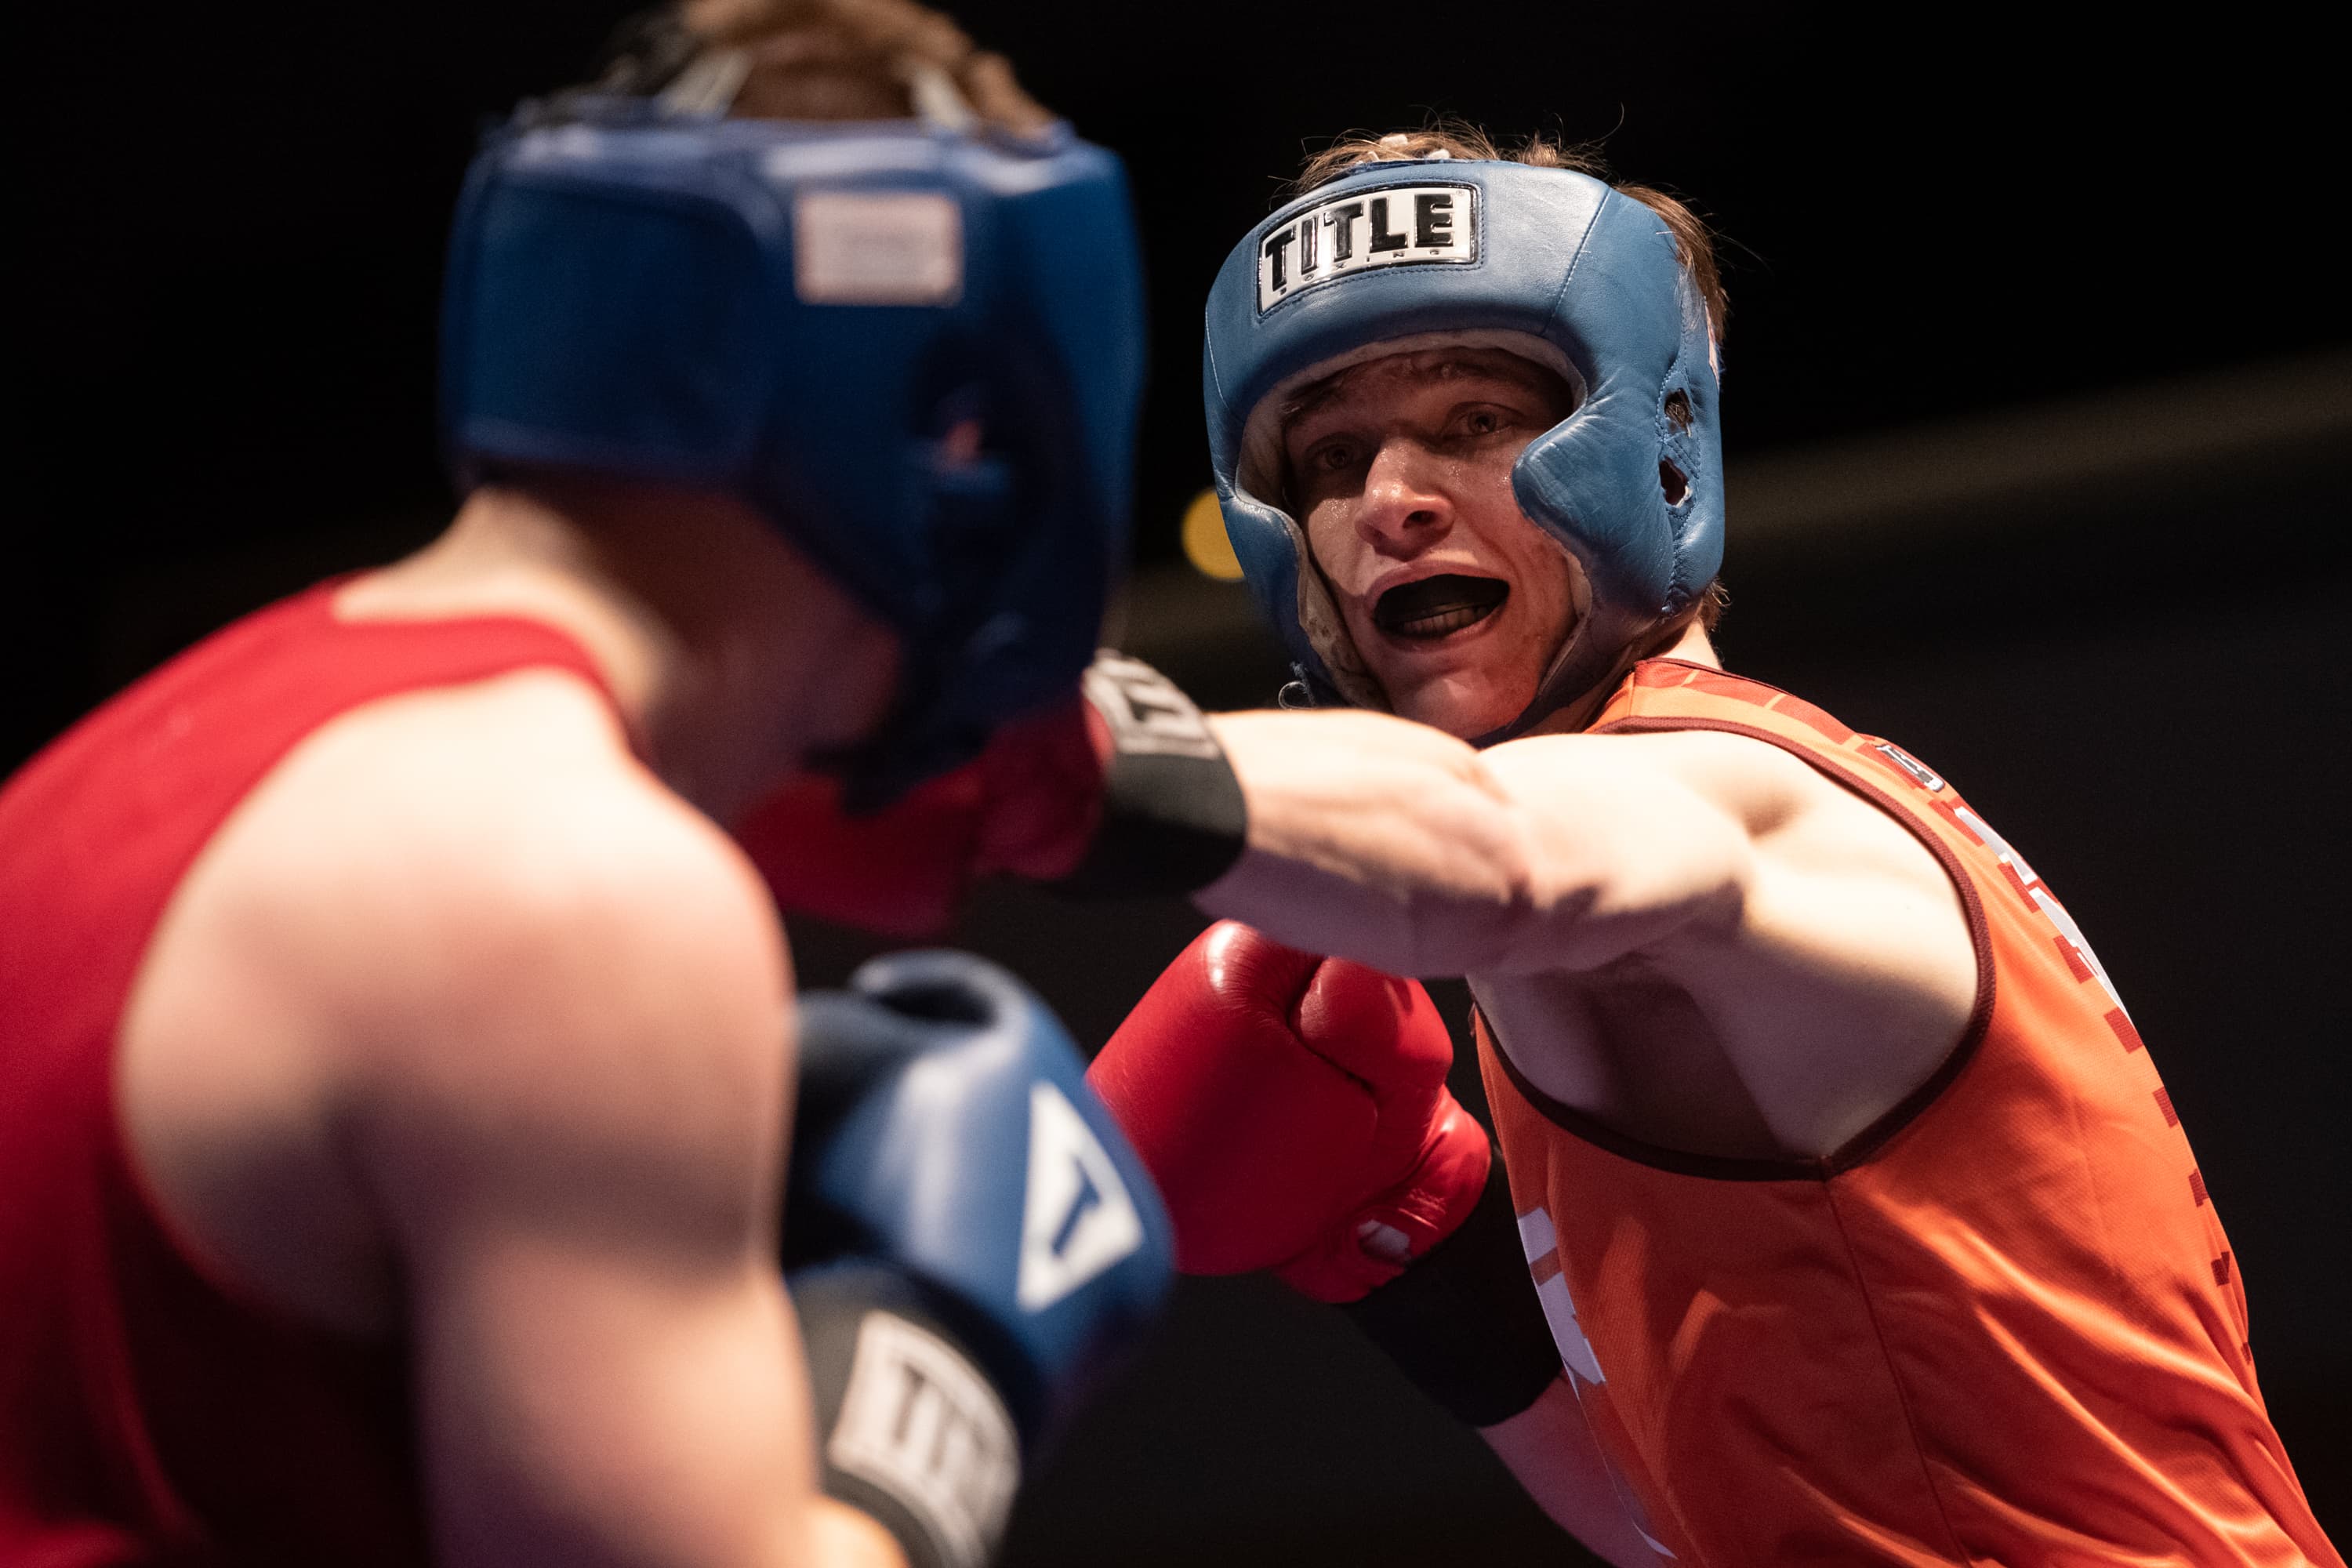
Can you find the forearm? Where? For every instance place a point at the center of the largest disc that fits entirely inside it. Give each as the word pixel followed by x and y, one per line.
pixel 567 1414
pixel 1395 845
pixel 1371 838
pixel 1550 1447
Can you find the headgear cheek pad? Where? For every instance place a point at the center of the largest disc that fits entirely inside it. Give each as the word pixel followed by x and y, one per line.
pixel 818 320
pixel 1549 263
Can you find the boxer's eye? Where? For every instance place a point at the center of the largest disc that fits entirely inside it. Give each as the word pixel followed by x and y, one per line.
pixel 1334 456
pixel 1481 422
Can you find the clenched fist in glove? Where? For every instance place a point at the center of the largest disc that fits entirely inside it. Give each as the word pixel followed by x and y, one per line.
pixel 1119 789
pixel 1294 1111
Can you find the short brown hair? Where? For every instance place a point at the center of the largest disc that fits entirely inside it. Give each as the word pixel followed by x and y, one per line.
pixel 1694 242
pixel 821 60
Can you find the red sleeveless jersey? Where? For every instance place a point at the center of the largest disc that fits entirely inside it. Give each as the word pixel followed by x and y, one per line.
pixel 2000 1326
pixel 150 1413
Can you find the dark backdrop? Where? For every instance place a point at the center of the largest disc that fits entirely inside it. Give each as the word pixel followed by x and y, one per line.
pixel 1935 222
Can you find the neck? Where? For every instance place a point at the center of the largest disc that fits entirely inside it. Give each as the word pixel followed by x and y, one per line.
pixel 1693 644
pixel 730 656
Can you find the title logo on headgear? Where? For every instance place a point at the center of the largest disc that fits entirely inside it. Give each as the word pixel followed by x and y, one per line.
pixel 1403 226
pixel 1549 263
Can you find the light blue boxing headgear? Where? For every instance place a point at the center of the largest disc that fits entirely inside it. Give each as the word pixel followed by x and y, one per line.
pixel 1549 263
pixel 811 317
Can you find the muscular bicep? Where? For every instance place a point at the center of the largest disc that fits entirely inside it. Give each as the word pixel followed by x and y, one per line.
pixel 1853 971
pixel 576 1406
pixel 580 1170
pixel 1631 846
pixel 1393 844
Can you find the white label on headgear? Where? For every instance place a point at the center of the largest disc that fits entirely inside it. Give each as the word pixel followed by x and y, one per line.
pixel 920 1423
pixel 876 248
pixel 1395 227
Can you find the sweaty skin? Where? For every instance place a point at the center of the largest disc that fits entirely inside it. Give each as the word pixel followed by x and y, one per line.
pixel 467 1025
pixel 1693 937
pixel 1402 471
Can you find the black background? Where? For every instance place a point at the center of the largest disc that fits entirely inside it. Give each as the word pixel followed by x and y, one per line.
pixel 230 233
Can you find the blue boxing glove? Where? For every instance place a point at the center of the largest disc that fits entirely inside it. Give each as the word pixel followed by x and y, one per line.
pixel 967 1237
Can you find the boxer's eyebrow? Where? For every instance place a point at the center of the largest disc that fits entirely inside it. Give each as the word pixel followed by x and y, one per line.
pixel 1444 364
pixel 1500 364
pixel 1319 396
pixel 1346 387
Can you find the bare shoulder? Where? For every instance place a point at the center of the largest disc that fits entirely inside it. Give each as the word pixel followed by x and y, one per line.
pixel 1800 816
pixel 434 839
pixel 449 938
pixel 1757 783
pixel 1763 863
pixel 1788 810
pixel 522 942
pixel 1851 970
pixel 1824 953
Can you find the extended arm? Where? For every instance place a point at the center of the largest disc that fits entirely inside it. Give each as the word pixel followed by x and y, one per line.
pixel 1404 848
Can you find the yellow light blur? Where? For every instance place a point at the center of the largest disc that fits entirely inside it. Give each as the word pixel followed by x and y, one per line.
pixel 1205 544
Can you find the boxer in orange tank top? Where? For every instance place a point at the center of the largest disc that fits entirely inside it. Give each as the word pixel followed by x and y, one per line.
pixel 1861 1227
pixel 2002 1322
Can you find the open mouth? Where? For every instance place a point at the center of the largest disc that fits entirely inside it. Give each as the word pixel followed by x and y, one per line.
pixel 1438 607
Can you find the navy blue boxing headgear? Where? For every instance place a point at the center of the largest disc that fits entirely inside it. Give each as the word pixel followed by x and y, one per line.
pixel 1547 263
pixel 815 318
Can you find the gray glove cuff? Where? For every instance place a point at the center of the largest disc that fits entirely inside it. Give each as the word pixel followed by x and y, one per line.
pixel 1172 816
pixel 910 1430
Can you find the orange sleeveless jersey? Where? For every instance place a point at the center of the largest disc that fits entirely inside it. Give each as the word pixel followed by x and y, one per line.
pixel 2001 1326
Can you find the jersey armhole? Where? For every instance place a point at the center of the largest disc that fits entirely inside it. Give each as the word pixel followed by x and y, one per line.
pixel 1859 1148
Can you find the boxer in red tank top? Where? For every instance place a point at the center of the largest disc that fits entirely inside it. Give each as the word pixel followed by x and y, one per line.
pixel 1860 1225
pixel 156 1402
pixel 323 944
pixel 398 1053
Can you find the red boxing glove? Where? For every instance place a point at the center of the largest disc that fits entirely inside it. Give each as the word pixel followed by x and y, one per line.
pixel 1120 789
pixel 1294 1111
pixel 1028 807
